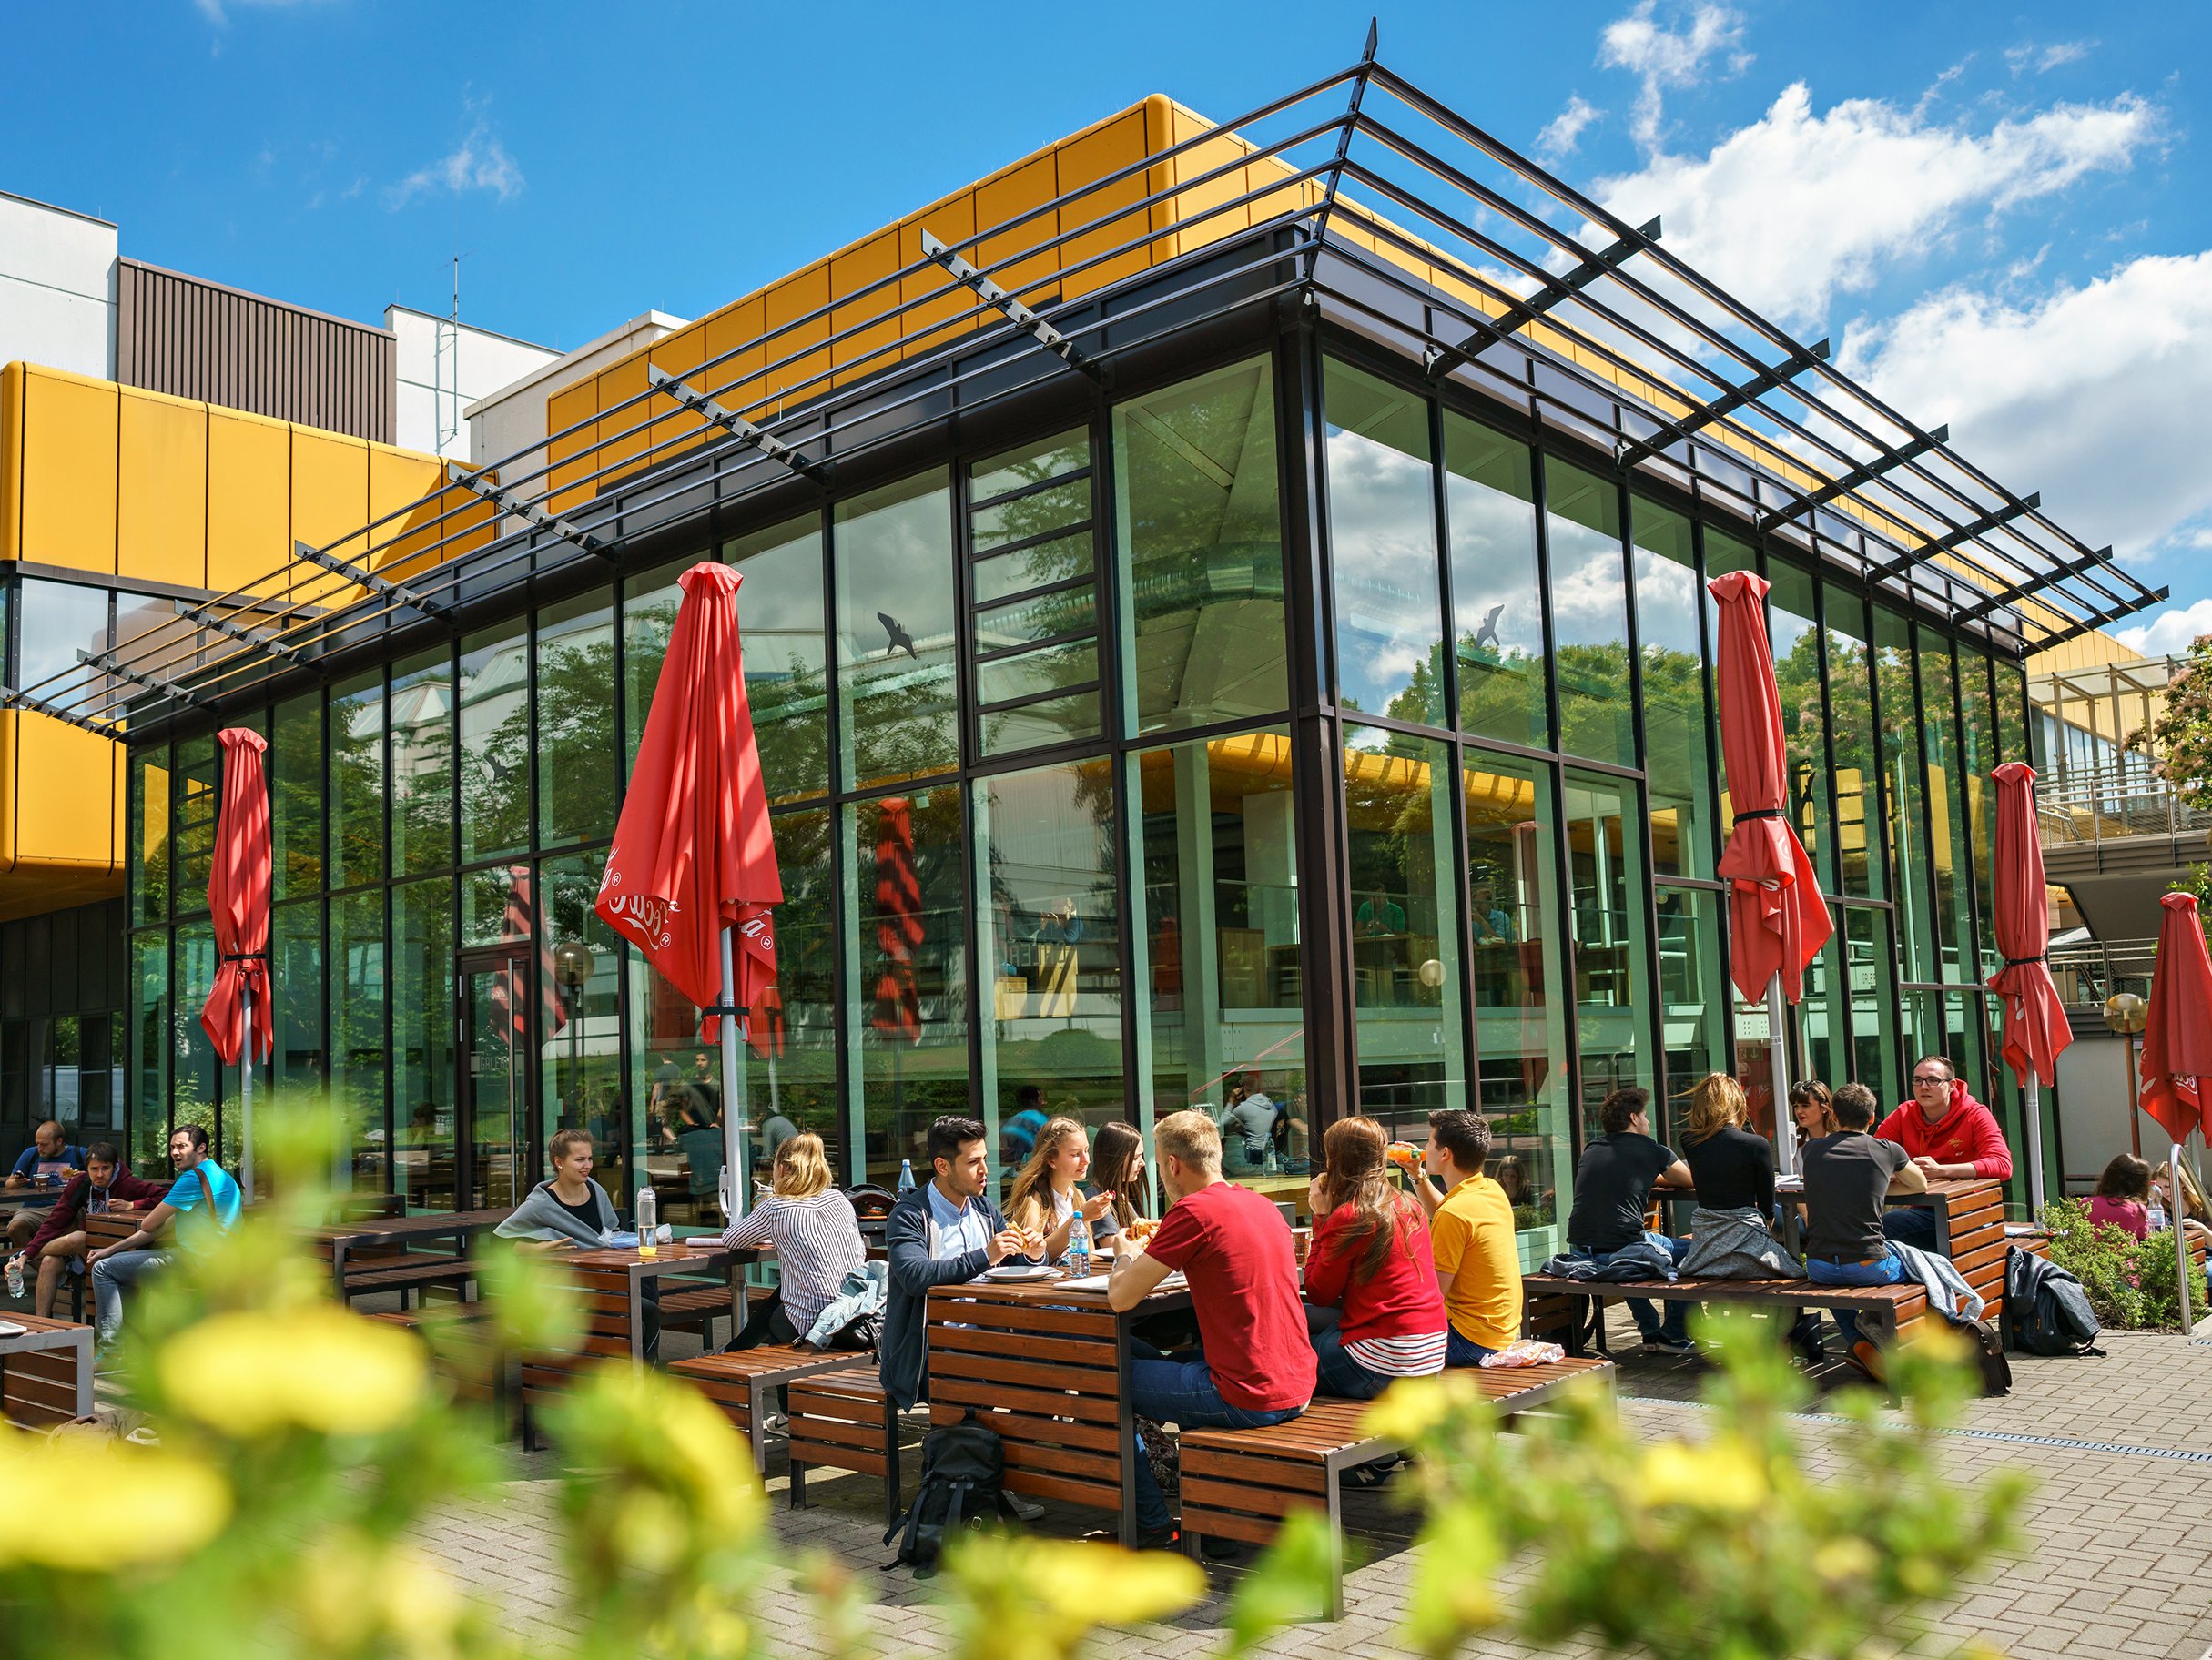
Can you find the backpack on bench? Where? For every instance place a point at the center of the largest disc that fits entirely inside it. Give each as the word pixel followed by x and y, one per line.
pixel 962 1466
pixel 2046 1307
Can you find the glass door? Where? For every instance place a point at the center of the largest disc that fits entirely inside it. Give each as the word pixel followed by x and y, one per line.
pixel 492 1139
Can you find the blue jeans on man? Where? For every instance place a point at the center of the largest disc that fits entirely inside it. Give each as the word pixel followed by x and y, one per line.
pixel 110 1275
pixel 1887 1270
pixel 1913 1225
pixel 1674 1325
pixel 1457 1350
pixel 1182 1392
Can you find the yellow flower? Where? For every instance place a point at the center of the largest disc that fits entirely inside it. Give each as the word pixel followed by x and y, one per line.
pixel 178 1503
pixel 1845 1559
pixel 321 1369
pixel 1724 1474
pixel 1412 1407
pixel 1039 1598
pixel 353 1592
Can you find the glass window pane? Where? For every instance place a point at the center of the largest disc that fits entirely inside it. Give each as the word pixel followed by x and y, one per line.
pixel 1589 613
pixel 297 814
pixel 1851 758
pixel 1383 548
pixel 649 603
pixel 580 1024
pixel 791 1071
pixel 576 745
pixel 422 763
pixel 780 611
pixel 1030 515
pixel 1905 788
pixel 1607 893
pixel 1693 992
pixel 198 1086
pixel 905 978
pixel 356 1034
pixel 151 1051
pixel 1402 871
pixel 1050 720
pixel 1071 610
pixel 1677 729
pixel 2012 704
pixel 1521 1017
pixel 149 835
pixel 676 1078
pixel 1201 551
pixel 1051 939
pixel 1939 703
pixel 295 954
pixel 494 698
pixel 1797 675
pixel 357 780
pixel 199 775
pixel 1489 494
pixel 1032 464
pixel 1978 720
pixel 1050 669
pixel 896 687
pixel 1057 560
pixel 57 621
pixel 423 1056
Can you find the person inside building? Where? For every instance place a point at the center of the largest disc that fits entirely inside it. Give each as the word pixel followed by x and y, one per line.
pixel 817 1237
pixel 204 1204
pixel 945 1231
pixel 1372 1305
pixel 1613 1186
pixel 1018 1135
pixel 1848 1176
pixel 700 1142
pixel 1947 1134
pixel 1046 1200
pixel 58 1246
pixel 43 1169
pixel 1256 1366
pixel 1247 1126
pixel 1470 1219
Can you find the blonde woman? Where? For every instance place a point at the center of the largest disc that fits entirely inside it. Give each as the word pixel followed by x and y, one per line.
pixel 1047 1192
pixel 817 1237
pixel 2193 1214
pixel 1732 1228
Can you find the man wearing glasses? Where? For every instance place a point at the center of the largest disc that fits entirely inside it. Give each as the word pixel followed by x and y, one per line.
pixel 1947 1133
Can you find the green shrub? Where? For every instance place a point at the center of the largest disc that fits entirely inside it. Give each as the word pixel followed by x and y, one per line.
pixel 2130 1281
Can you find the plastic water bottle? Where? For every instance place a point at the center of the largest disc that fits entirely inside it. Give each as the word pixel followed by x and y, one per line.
pixel 2156 1223
pixel 1078 1257
pixel 648 1223
pixel 906 1175
pixel 14 1276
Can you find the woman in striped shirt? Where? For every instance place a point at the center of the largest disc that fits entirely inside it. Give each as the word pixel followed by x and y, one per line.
pixel 817 1237
pixel 1372 1302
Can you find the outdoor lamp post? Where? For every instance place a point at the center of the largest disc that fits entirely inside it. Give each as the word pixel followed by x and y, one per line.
pixel 2125 1012
pixel 572 967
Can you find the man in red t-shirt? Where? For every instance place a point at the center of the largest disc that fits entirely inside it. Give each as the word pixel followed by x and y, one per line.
pixel 1233 1247
pixel 1948 1133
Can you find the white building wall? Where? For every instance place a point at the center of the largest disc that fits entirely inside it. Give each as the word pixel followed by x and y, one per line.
pixel 58 288
pixel 443 368
pixel 512 420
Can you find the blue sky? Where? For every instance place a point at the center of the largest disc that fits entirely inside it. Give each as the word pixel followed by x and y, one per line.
pixel 2002 215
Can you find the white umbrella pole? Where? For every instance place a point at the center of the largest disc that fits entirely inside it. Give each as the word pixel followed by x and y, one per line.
pixel 734 1165
pixel 1778 1051
pixel 2176 1214
pixel 246 1101
pixel 2035 1141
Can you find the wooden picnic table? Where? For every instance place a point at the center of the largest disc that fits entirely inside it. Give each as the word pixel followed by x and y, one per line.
pixel 1049 1369
pixel 620 1276
pixel 45 1370
pixel 368 1233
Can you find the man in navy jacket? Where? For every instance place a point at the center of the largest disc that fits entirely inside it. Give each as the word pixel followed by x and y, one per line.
pixel 947 1231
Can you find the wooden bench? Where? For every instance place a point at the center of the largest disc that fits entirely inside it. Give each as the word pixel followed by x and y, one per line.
pixel 46 1373
pixel 739 1383
pixel 409 1271
pixel 697 1306
pixel 1242 1484
pixel 475 1366
pixel 1552 1305
pixel 844 1420
pixel 1971 1232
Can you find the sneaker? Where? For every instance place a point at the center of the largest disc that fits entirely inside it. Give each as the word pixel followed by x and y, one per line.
pixel 1214 1548
pixel 1868 1359
pixel 776 1423
pixel 1025 1509
pixel 1663 1344
pixel 1159 1539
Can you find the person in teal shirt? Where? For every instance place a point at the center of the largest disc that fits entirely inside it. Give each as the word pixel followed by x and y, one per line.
pixel 204 1203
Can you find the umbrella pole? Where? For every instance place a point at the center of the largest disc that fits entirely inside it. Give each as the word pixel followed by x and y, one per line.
pixel 2176 1214
pixel 2034 1144
pixel 733 1167
pixel 246 1101
pixel 1777 1053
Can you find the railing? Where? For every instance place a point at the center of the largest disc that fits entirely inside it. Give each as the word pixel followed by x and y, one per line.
pixel 2096 969
pixel 2085 806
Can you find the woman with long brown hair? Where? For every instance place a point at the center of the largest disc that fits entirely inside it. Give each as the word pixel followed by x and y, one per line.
pixel 1810 1108
pixel 1372 1305
pixel 1117 1172
pixel 1047 1196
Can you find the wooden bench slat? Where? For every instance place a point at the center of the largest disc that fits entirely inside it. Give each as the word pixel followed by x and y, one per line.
pixel 1091 1356
pixel 1024 1375
pixel 1223 1464
pixel 967 1392
pixel 1212 1498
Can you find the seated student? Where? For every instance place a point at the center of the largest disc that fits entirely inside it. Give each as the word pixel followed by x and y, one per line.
pixel 44 1166
pixel 1732 1232
pixel 570 1210
pixel 58 1246
pixel 946 1232
pixel 1047 1199
pixel 2192 1213
pixel 1847 1177
pixel 1810 1110
pixel 2122 1196
pixel 1373 1306
pixel 1256 1366
pixel 817 1236
pixel 1117 1170
pixel 1612 1189
pixel 204 1202
pixel 1478 1266
pixel 1946 1132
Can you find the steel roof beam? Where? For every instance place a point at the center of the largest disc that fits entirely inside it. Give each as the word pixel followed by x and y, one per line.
pixel 1866 472
pixel 530 512
pixel 24 700
pixel 1012 309
pixel 370 580
pixel 2090 624
pixel 747 435
pixel 2019 591
pixel 1728 403
pixel 1440 360
pixel 1964 533
pixel 106 662
pixel 244 635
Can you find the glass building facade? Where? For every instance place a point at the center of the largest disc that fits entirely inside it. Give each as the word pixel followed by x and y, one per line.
pixel 1287 726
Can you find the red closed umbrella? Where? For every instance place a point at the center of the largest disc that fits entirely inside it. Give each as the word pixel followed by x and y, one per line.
pixel 2177 1047
pixel 1778 919
pixel 692 870
pixel 2036 1027
pixel 237 901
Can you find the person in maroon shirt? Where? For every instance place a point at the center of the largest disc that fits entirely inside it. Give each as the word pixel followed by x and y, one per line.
pixel 1233 1245
pixel 60 1239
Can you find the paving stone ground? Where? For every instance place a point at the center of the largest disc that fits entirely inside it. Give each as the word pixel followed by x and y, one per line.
pixel 2119 1563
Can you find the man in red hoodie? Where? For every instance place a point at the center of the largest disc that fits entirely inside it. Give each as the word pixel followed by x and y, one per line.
pixel 1948 1133
pixel 58 1246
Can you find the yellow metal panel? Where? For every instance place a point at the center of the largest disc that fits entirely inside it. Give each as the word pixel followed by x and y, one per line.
pixel 330 492
pixel 1103 150
pixel 399 480
pixel 675 428
pixel 621 431
pixel 864 354
pixel 249 498
pixel 61 820
pixel 796 297
pixel 1027 185
pixel 735 380
pixel 162 508
pixel 11 459
pixel 68 470
pixel 563 409
pixel 951 221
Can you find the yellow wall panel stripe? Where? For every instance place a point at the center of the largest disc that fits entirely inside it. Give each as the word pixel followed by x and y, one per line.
pixel 161 506
pixel 249 498
pixel 68 470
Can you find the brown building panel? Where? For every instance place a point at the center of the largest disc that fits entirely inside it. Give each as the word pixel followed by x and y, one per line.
pixel 193 339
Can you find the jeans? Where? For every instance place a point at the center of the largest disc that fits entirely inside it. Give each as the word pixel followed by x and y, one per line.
pixel 1649 1322
pixel 1913 1225
pixel 1182 1392
pixel 1337 1373
pixel 1459 1350
pixel 1821 1270
pixel 110 1274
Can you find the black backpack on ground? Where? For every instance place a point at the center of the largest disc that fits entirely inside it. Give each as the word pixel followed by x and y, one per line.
pixel 962 1466
pixel 2045 1306
pixel 1989 1355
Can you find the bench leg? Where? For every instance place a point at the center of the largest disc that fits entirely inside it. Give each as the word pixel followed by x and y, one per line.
pixel 893 1484
pixel 1333 1602
pixel 799 1485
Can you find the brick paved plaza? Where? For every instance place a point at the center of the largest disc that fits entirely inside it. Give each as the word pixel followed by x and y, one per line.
pixel 2120 1563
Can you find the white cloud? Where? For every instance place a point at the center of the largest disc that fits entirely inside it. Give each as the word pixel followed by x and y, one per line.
pixel 1798 207
pixel 1664 58
pixel 479 162
pixel 2094 395
pixel 2170 632
pixel 2041 59
pixel 1564 130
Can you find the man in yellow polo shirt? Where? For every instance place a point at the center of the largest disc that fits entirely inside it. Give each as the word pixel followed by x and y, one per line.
pixel 1470 1222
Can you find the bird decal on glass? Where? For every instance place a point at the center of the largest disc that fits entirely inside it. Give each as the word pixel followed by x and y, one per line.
pixel 899 637
pixel 1488 634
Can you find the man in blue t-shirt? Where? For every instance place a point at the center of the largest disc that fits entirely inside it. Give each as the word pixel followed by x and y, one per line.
pixel 204 1203
pixel 45 1168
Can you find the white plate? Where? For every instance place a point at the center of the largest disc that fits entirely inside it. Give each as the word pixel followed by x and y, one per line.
pixel 1022 1272
pixel 8 1328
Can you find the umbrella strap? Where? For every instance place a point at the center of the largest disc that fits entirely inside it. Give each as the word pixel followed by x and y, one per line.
pixel 1759 813
pixel 736 1011
pixel 243 957
pixel 2022 962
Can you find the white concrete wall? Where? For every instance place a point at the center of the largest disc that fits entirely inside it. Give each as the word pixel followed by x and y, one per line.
pixel 2093 1108
pixel 58 288
pixel 443 368
pixel 512 420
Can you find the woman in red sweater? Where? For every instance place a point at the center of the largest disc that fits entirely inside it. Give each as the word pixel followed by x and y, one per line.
pixel 1372 1301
